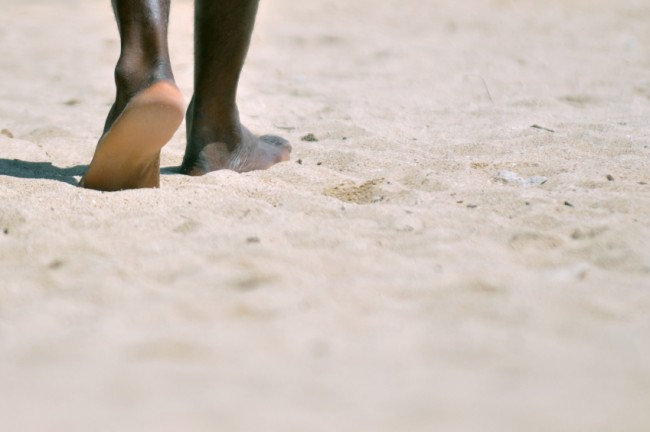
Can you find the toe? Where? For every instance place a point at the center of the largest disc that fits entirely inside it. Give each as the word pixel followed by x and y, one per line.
pixel 280 149
pixel 275 140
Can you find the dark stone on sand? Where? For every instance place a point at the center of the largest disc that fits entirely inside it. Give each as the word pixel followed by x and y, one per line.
pixel 309 138
pixel 56 264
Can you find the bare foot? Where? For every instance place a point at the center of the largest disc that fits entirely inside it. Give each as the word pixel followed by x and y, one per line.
pixel 128 154
pixel 250 153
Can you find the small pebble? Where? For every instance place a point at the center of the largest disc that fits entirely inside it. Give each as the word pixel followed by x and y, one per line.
pixel 251 240
pixel 7 133
pixel 309 138
pixel 610 177
pixel 568 204
pixel 512 177
pixel 56 264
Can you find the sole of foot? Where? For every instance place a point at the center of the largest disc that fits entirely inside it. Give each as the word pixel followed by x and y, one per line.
pixel 128 155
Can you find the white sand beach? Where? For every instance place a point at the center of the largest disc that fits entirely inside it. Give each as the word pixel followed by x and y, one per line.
pixel 463 244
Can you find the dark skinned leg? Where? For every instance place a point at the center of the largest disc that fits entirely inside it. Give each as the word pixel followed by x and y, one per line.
pixel 216 138
pixel 148 107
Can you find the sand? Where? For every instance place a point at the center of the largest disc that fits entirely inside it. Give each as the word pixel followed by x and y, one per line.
pixel 463 244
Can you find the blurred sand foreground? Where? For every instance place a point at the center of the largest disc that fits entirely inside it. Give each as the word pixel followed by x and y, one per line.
pixel 432 262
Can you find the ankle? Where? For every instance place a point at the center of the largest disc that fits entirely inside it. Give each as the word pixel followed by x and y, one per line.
pixel 135 72
pixel 214 113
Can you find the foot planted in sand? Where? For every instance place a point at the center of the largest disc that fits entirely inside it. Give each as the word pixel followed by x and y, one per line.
pixel 128 154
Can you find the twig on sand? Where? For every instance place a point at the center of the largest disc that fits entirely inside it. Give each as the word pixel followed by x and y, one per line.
pixel 536 126
pixel 286 128
pixel 487 89
pixel 485 86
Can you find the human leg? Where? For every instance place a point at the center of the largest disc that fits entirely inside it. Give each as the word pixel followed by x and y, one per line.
pixel 148 107
pixel 216 138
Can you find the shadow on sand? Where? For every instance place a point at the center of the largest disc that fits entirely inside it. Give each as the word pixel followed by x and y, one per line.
pixel 45 170
pixel 169 170
pixel 40 170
